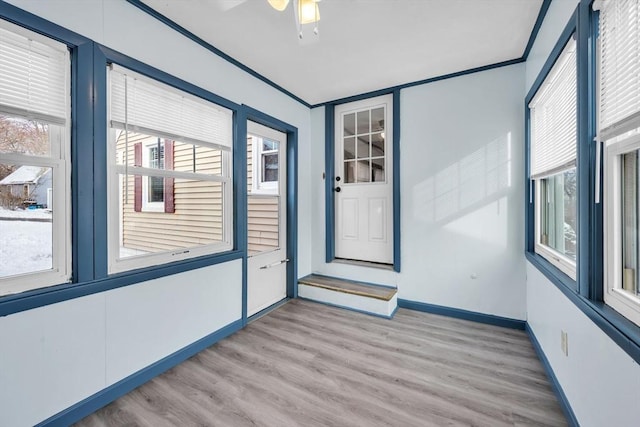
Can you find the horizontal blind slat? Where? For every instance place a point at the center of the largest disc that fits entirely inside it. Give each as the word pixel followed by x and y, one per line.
pixel 553 117
pixel 156 106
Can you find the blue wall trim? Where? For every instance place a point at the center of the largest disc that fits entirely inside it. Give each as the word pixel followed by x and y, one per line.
pixel 463 314
pixel 555 384
pixel 160 17
pixel 391 89
pixel 172 24
pixel 104 397
pixel 536 28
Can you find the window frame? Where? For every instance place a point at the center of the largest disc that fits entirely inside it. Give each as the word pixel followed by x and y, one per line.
pixel 59 160
pixel 258 185
pixel 115 264
pixel 147 205
pixel 564 265
pixel 559 260
pixel 625 304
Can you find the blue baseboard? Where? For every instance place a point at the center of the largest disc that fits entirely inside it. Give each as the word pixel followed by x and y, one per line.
pixel 489 319
pixel 555 385
pixel 102 398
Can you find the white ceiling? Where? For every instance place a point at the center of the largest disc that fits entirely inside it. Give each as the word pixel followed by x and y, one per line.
pixel 363 45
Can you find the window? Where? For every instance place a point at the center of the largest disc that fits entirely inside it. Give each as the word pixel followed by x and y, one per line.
pixel 619 126
pixel 156 193
pixel 265 159
pixel 34 161
pixel 363 143
pixel 170 187
pixel 553 163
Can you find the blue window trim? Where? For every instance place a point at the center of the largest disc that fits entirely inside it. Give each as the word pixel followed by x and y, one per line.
pixel 329 150
pixel 586 293
pixel 247 113
pixel 88 182
pixel 543 265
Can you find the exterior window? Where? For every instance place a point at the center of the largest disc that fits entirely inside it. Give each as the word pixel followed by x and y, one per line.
pixel 558 213
pixel 170 193
pixel 265 162
pixel 553 163
pixel 619 131
pixel 35 215
pixel 155 188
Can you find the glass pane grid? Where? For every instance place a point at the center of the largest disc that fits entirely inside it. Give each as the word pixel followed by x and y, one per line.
pixel 364 146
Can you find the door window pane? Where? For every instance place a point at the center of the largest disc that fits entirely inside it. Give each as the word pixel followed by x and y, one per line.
pixel 363 171
pixel 377 119
pixel 349 172
pixel 377 145
pixel 363 122
pixel 363 146
pixel 377 170
pixel 349 124
pixel 349 148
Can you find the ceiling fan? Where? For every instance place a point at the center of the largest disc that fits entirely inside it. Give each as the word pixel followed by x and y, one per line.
pixel 305 11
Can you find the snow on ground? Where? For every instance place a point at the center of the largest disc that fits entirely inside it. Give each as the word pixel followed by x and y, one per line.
pixel 25 213
pixel 25 247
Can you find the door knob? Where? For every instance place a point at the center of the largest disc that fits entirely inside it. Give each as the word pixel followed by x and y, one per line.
pixel 337 189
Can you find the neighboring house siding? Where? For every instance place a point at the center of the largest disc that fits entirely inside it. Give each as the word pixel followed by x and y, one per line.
pixel 262 214
pixel 197 219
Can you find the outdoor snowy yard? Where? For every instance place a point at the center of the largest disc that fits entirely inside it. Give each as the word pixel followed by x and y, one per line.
pixel 25 246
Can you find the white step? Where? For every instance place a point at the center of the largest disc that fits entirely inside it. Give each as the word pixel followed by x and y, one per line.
pixel 371 299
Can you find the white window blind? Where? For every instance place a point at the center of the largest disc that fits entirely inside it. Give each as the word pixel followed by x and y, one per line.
pixel 141 104
pixel 619 67
pixel 35 79
pixel 553 118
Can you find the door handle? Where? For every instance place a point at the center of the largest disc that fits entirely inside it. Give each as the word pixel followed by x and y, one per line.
pixel 273 264
pixel 337 189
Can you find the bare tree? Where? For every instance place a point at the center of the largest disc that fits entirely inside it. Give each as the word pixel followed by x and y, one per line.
pixel 21 136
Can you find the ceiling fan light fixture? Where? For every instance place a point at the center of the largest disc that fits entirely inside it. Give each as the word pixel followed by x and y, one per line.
pixel 279 5
pixel 308 11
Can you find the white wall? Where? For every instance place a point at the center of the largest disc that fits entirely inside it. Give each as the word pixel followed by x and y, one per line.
pixel 462 190
pixel 54 356
pixel 599 379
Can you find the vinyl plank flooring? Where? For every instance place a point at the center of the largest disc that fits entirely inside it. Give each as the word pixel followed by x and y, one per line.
pixel 307 364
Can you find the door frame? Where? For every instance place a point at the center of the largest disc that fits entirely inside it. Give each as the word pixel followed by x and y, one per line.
pixel 329 156
pixel 245 114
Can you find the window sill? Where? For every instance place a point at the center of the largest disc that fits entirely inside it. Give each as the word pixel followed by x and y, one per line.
pixel 621 330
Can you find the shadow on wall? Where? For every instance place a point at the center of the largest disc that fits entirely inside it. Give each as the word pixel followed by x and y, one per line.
pixel 478 179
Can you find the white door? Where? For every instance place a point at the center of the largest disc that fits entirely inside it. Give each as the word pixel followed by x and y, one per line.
pixel 363 185
pixel 266 217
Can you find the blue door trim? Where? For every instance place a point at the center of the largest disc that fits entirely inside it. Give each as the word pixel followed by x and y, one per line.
pixel 248 113
pixel 330 173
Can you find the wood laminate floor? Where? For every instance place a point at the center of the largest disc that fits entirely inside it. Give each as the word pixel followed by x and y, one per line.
pixel 307 364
